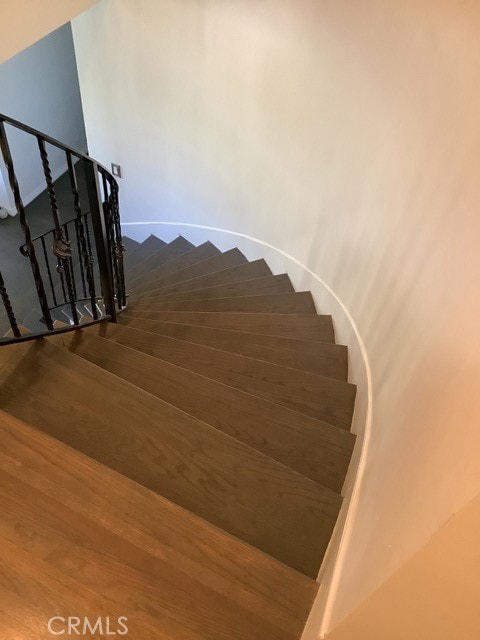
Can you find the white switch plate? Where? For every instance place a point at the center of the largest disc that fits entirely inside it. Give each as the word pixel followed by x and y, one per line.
pixel 117 170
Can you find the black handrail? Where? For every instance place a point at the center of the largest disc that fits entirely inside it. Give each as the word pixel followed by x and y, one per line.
pixel 69 274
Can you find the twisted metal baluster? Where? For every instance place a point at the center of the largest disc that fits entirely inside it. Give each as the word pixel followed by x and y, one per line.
pixel 84 239
pixel 12 179
pixel 61 245
pixel 8 308
pixel 119 248
pixel 70 260
pixel 80 259
pixel 107 209
pixel 49 271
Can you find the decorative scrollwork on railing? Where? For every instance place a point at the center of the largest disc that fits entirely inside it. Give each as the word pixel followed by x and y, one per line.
pixel 61 248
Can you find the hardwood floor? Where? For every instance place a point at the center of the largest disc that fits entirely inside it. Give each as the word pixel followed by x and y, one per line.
pixel 69 549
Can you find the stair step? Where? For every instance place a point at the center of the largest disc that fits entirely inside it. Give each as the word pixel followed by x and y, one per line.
pixel 300 302
pixel 204 251
pixel 23 331
pixel 189 577
pixel 147 248
pixel 129 243
pixel 256 286
pixel 239 273
pixel 188 462
pixel 157 278
pixel 320 397
pixel 318 357
pixel 313 448
pixel 302 327
pixel 173 250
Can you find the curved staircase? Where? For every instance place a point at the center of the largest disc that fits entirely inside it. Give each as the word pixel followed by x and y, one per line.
pixel 181 467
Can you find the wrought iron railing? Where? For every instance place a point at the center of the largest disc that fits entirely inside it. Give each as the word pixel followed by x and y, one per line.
pixel 76 263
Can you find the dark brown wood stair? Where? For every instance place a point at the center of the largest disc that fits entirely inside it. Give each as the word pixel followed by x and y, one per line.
pixel 316 328
pixel 174 249
pixel 147 248
pixel 327 359
pixel 160 277
pixel 318 396
pixel 203 252
pixel 167 451
pixel 300 302
pixel 200 445
pixel 315 449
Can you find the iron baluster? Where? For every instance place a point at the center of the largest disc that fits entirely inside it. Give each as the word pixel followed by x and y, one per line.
pixel 12 179
pixel 119 248
pixel 8 308
pixel 111 236
pixel 70 261
pixel 99 244
pixel 49 271
pixel 83 238
pixel 80 259
pixel 99 224
pixel 61 245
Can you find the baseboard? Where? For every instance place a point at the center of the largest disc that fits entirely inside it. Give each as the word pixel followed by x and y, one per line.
pixel 8 210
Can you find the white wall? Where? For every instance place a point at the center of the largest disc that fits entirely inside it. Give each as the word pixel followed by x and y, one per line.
pixel 26 21
pixel 5 195
pixel 347 135
pixel 39 87
pixel 434 596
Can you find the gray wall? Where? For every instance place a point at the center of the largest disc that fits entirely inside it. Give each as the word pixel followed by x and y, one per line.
pixel 39 86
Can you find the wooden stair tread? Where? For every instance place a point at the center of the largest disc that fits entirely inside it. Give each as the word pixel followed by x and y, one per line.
pixel 320 397
pixel 166 450
pixel 256 286
pixel 303 326
pixel 188 549
pixel 151 245
pixel 203 252
pixel 318 357
pixel 129 243
pixel 315 449
pixel 230 258
pixel 23 331
pixel 172 250
pixel 300 302
pixel 239 273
